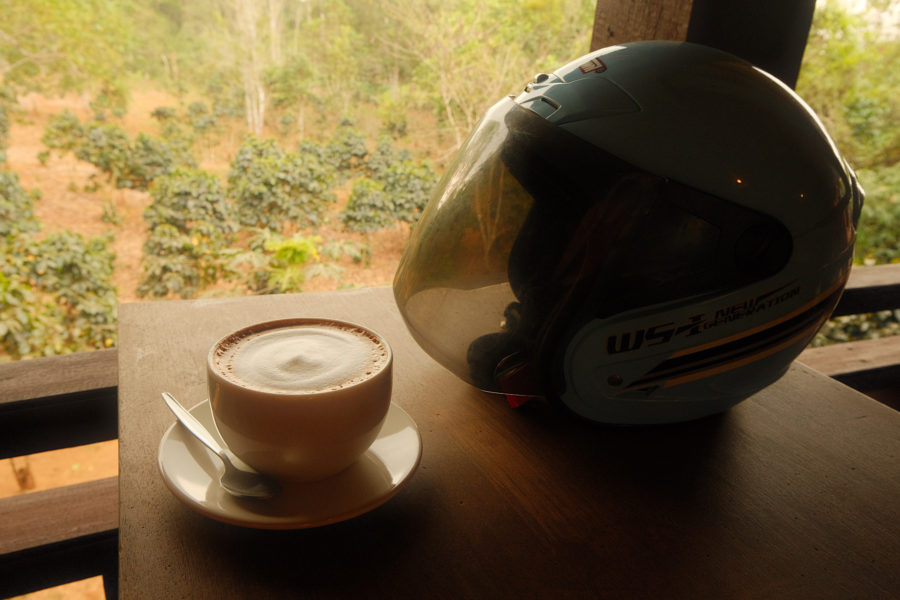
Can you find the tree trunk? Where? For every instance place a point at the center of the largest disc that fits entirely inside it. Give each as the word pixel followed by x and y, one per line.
pixel 247 18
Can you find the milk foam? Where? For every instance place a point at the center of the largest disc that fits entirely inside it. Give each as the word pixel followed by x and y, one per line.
pixel 302 358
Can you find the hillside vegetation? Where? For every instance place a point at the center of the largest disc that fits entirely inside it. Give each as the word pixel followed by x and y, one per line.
pixel 160 149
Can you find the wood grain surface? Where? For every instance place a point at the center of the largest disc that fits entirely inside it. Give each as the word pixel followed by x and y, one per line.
pixel 792 494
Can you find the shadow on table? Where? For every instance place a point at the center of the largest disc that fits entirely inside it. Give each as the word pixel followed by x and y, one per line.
pixel 631 478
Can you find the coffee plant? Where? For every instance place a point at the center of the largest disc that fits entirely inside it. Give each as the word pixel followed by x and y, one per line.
pixel 876 238
pixel 109 148
pixel 16 206
pixel 64 132
pixel 149 158
pixel 4 133
pixel 182 264
pixel 409 185
pixel 113 98
pixel 346 151
pixel 201 119
pixel 277 189
pixel 55 293
pixel 7 100
pixel 368 208
pixel 191 227
pixel 384 156
pixel 397 189
pixel 164 114
pixel 187 196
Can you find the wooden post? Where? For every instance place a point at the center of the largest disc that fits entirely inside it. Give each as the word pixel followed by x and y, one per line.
pixel 617 22
pixel 771 34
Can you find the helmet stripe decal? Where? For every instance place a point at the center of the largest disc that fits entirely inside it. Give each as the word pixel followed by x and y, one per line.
pixel 836 288
pixel 745 348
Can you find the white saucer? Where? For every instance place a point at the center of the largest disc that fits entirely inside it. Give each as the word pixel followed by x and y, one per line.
pixel 191 472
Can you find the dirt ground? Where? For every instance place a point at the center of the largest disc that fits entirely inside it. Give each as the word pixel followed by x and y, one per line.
pixel 66 205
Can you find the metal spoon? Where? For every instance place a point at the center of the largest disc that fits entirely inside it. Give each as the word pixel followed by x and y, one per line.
pixel 237 480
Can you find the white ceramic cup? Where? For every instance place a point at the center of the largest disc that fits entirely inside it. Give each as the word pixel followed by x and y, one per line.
pixel 300 399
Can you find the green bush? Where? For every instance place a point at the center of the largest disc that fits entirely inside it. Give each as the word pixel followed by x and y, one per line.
pixel 191 228
pixel 109 148
pixel 409 185
pixel 171 264
pixel 275 264
pixel 16 206
pixel 106 146
pixel 4 132
pixel 187 196
pixel 55 295
pixel 368 207
pixel 346 151
pixel 149 158
pixel 164 114
pixel 200 117
pixel 64 132
pixel 397 190
pixel 876 237
pixel 274 188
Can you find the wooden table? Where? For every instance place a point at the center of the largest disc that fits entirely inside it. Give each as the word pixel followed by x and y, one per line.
pixel 794 493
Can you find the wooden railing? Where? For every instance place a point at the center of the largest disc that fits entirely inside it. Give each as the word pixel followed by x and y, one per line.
pixel 56 536
pixel 65 534
pixel 870 366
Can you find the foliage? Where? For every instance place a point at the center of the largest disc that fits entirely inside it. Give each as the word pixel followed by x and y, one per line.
pixel 277 264
pixel 110 214
pixel 148 159
pixel 63 132
pixel 876 243
pixel 346 151
pixel 409 185
pixel 850 328
pixel 180 263
pixel 288 258
pixel 164 114
pixel 876 238
pixel 397 189
pixel 112 97
pixel 309 61
pixel 275 188
pixel 384 156
pixel 109 148
pixel 392 113
pixel 358 252
pixel 368 208
pixel 496 45
pixel 188 196
pixel 7 101
pixel 65 44
pixel 16 206
pixel 849 77
pixel 201 119
pixel 191 225
pixel 55 294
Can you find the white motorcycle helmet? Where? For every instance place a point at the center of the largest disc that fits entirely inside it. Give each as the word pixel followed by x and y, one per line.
pixel 650 234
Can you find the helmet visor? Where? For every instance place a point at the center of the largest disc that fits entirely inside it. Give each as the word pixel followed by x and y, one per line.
pixel 452 285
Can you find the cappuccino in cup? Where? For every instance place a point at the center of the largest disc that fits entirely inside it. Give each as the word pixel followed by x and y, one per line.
pixel 300 399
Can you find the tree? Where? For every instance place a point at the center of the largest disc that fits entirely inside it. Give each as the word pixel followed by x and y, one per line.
pixel 850 78
pixel 466 54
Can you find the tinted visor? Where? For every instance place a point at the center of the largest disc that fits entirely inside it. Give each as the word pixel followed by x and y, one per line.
pixel 533 232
